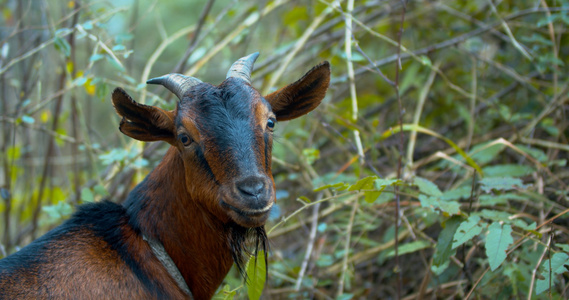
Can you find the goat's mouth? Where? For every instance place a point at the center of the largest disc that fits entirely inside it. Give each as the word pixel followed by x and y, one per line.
pixel 248 217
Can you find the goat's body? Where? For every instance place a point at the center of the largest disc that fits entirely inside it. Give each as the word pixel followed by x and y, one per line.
pixel 96 242
pixel 104 241
pixel 212 190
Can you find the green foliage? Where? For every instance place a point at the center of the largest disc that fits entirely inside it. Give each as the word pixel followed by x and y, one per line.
pixel 498 240
pixel 558 264
pixel 468 229
pixel 444 249
pixel 256 274
pixel 489 184
pixel 483 153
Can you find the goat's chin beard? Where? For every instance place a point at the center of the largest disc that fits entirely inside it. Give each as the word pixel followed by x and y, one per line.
pixel 241 241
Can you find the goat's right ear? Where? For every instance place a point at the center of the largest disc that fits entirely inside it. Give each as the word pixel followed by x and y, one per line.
pixel 143 122
pixel 302 96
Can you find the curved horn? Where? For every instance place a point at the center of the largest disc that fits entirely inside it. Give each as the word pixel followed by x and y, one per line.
pixel 243 67
pixel 177 83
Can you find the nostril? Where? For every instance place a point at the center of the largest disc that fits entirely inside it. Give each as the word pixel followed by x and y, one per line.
pixel 251 186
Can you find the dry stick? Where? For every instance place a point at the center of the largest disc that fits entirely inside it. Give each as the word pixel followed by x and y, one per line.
pixel 463 247
pixel 554 46
pixel 534 271
pixel 515 42
pixel 401 151
pixel 418 111
pixel 474 88
pixel 193 43
pixel 354 100
pixel 48 154
pixel 8 164
pixel 310 245
pixel 74 113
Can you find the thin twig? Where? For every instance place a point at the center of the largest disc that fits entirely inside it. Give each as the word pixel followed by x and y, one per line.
pixel 401 151
pixel 193 43
pixel 534 271
pixel 310 245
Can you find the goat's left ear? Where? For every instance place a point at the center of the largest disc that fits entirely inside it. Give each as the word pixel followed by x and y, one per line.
pixel 143 122
pixel 302 96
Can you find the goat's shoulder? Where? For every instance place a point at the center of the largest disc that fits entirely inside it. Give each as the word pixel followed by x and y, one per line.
pixel 89 254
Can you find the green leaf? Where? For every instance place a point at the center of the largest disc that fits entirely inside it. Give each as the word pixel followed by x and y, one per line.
pixel 425 60
pixel 102 91
pixel 559 263
pixel 490 199
pixel 381 184
pixel 507 170
pixel 483 153
pixel 13 152
pixel 27 119
pixel 345 297
pixel 87 195
pixel 256 275
pixel 444 249
pixel 548 19
pixel 62 45
pixel 95 57
pixel 494 215
pixel 410 247
pixel 450 207
pixel 311 155
pixel 498 240
pixel 371 196
pixel 501 184
pixel 563 247
pixel 57 211
pixel 325 260
pixel 427 186
pixel 328 186
pixel 536 153
pixel 363 184
pixel 466 231
pixel 100 190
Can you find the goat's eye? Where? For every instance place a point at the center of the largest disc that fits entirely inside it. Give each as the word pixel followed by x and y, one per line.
pixel 185 139
pixel 271 123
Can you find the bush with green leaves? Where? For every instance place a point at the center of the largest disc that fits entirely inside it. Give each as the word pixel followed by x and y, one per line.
pixel 436 167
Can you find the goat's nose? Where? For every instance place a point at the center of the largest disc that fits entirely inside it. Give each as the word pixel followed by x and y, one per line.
pixel 251 186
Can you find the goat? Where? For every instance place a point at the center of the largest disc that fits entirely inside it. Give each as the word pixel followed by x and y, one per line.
pixel 181 229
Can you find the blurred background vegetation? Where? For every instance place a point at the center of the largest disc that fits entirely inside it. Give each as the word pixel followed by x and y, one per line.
pixel 471 201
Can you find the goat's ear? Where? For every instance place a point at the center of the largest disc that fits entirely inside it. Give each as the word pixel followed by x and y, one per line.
pixel 301 97
pixel 143 122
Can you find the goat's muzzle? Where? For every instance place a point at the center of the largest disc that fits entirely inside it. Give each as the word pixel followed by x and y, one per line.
pixel 249 200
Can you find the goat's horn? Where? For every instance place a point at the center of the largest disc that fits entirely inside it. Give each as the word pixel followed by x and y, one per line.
pixel 243 67
pixel 177 83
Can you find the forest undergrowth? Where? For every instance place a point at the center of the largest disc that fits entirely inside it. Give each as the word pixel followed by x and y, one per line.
pixel 435 168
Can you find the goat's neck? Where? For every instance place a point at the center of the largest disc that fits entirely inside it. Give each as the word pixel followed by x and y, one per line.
pixel 162 208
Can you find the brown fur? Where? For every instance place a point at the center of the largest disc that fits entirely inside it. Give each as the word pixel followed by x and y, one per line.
pixel 192 202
